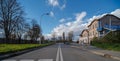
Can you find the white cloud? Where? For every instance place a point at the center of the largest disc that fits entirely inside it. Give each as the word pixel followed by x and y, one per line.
pixel 52 14
pixel 78 25
pixel 62 20
pixel 75 26
pixel 53 2
pixel 56 3
pixel 63 6
pixel 79 16
pixel 116 13
pixel 48 36
pixel 95 17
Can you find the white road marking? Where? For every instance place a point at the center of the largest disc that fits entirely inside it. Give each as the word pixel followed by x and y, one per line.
pixel 45 60
pixel 59 56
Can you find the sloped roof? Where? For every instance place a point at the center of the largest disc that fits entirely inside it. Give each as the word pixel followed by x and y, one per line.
pixel 83 31
pixel 103 17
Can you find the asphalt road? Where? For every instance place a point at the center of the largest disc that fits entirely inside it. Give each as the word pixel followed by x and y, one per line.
pixel 59 52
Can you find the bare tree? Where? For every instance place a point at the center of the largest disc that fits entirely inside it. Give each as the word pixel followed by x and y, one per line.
pixel 10 15
pixel 35 31
pixel 27 28
pixel 20 29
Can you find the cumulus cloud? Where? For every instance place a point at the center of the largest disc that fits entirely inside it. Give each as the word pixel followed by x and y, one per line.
pixel 62 20
pixel 116 13
pixel 75 26
pixel 78 25
pixel 56 3
pixel 52 14
pixel 53 2
pixel 63 6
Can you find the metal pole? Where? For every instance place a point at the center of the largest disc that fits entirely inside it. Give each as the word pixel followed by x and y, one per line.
pixel 110 24
pixel 41 26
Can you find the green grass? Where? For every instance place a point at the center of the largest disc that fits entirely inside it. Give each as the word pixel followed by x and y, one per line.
pixel 107 46
pixel 111 41
pixel 6 48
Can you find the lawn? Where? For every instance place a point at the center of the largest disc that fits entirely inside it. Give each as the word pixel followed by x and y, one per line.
pixel 6 48
pixel 108 46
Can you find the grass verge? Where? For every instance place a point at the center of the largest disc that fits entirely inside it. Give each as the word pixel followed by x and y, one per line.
pixel 8 48
pixel 107 46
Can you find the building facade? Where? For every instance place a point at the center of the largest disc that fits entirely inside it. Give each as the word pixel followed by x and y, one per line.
pixel 100 27
pixel 84 37
pixel 92 28
pixel 108 23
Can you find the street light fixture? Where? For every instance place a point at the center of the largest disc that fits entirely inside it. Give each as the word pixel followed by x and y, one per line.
pixel 42 16
pixel 41 26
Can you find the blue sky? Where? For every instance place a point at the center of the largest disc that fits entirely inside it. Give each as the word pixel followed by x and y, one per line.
pixel 65 11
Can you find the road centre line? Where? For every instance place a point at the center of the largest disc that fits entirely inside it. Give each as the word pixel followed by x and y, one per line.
pixel 59 55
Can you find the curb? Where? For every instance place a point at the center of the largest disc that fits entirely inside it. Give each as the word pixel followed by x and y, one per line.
pixel 99 53
pixel 103 54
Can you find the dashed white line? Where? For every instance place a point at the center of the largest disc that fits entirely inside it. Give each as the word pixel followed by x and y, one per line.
pixel 59 56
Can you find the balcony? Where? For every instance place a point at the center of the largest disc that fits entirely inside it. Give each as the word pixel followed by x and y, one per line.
pixel 112 27
pixel 99 29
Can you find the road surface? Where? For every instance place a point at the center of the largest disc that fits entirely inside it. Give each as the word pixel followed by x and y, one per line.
pixel 59 52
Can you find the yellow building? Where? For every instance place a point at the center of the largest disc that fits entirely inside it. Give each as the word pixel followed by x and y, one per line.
pixel 92 28
pixel 84 37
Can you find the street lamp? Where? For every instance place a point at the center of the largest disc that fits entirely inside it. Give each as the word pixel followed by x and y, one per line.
pixel 40 24
pixel 42 16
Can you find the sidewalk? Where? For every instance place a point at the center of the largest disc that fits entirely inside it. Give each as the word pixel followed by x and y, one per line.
pixel 114 53
pixel 99 51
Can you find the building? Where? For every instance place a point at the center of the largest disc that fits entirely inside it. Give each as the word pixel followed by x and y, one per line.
pixel 100 27
pixel 108 23
pixel 84 37
pixel 92 28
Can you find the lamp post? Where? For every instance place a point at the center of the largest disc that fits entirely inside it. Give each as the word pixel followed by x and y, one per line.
pixel 41 26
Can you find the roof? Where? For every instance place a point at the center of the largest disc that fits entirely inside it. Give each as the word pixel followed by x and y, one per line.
pixel 103 17
pixel 110 15
pixel 93 21
pixel 83 31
